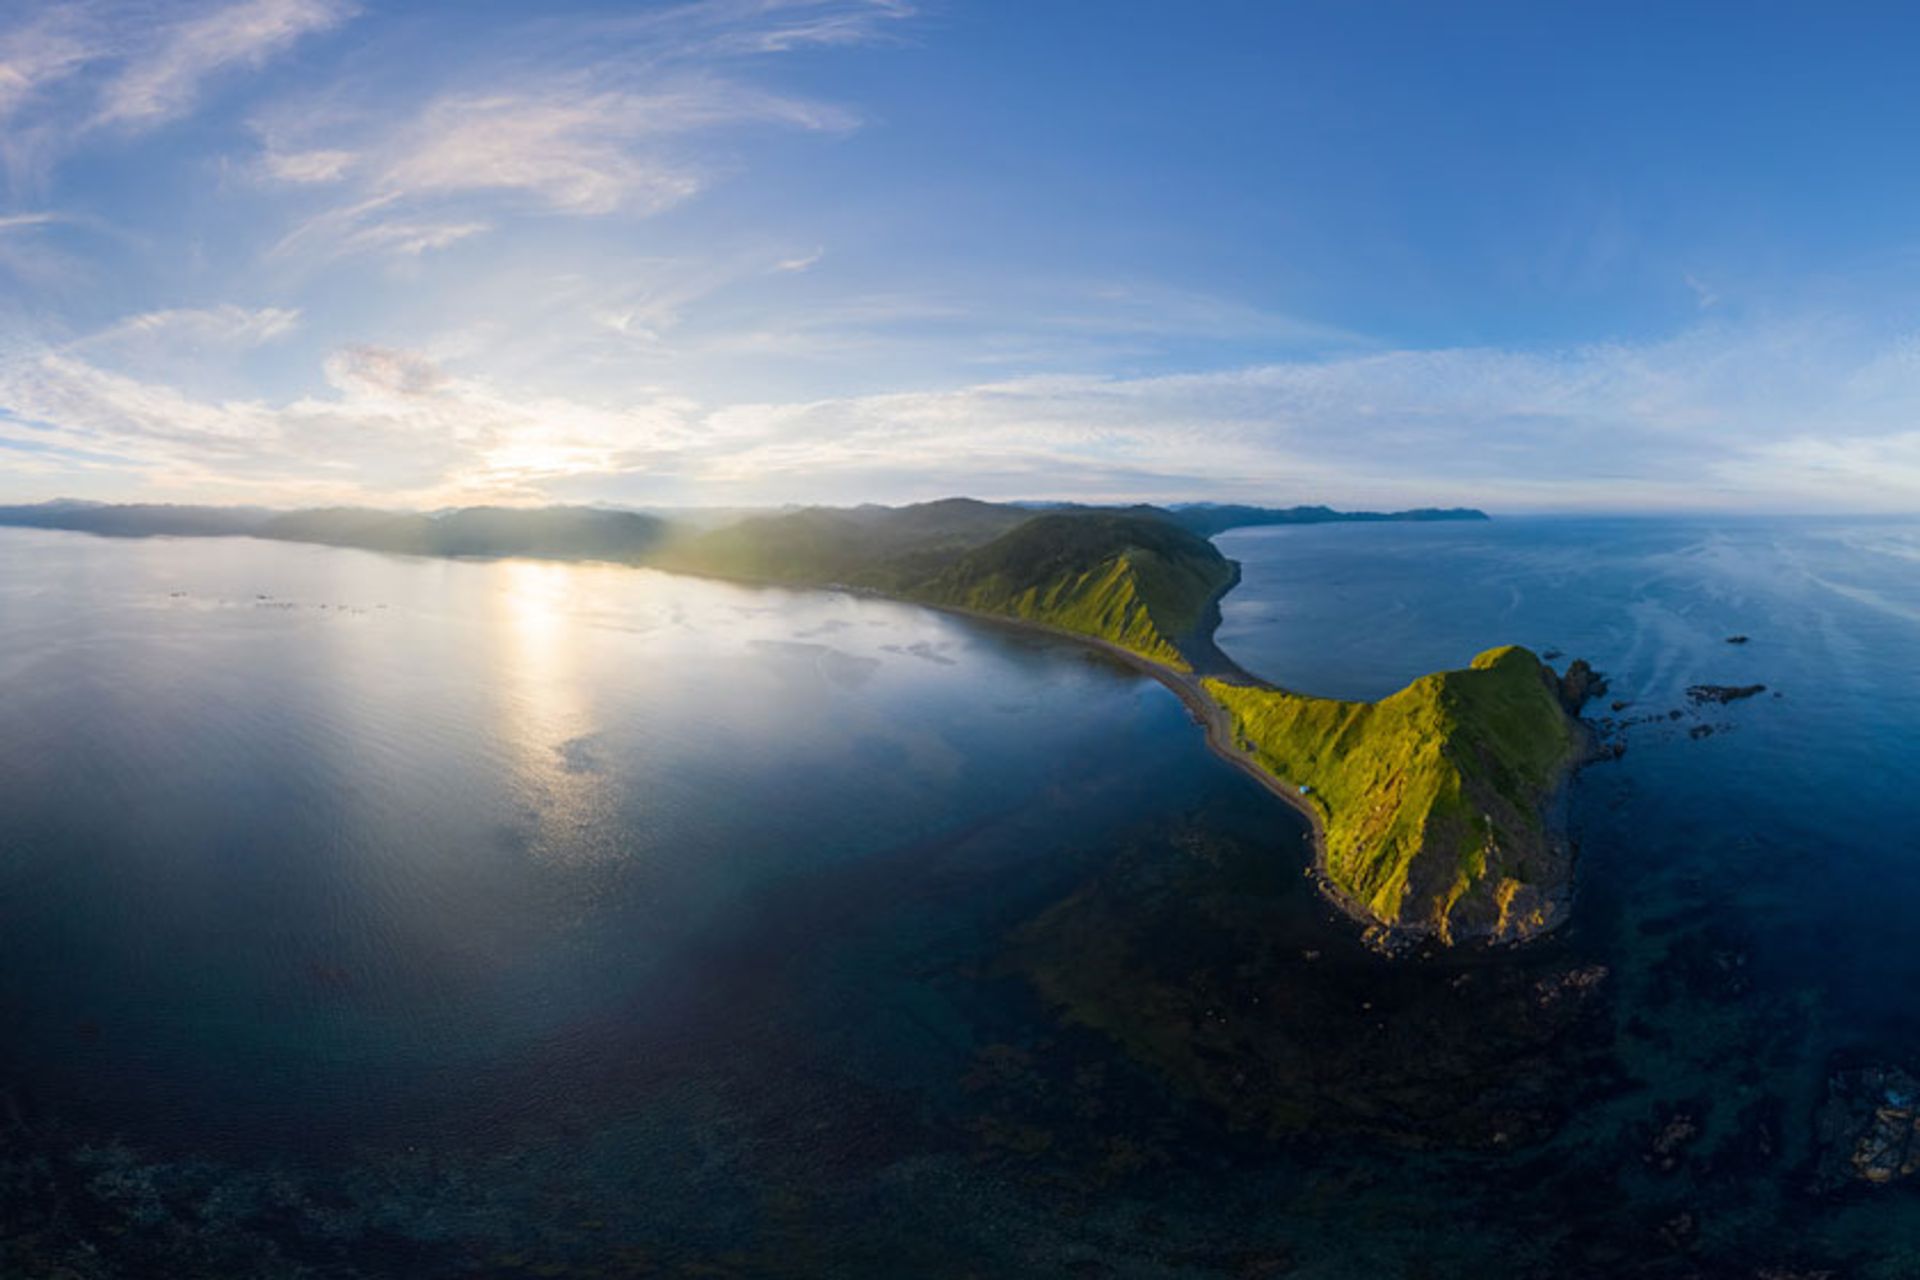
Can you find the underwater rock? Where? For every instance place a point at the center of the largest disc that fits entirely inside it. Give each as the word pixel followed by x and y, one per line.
pixel 1576 983
pixel 1869 1129
pixel 1670 1142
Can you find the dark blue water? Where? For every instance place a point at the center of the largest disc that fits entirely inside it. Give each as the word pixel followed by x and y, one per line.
pixel 370 915
pixel 1803 804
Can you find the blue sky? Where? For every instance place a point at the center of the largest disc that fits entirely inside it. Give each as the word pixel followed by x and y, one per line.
pixel 1531 257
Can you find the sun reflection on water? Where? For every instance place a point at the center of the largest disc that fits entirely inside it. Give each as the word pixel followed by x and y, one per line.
pixel 544 715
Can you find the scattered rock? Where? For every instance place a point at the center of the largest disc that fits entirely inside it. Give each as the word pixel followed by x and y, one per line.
pixel 1722 693
pixel 1700 731
pixel 1736 639
pixel 1580 685
pixel 1573 983
pixel 1621 704
pixel 1869 1128
pixel 1671 1140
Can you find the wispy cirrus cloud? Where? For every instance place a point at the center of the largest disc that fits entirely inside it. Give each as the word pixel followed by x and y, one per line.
pixel 406 237
pixel 590 126
pixel 226 326
pixel 77 68
pixel 28 254
pixel 305 167
pixel 709 28
pixel 18 221
pixel 42 51
pixel 163 73
pixel 569 146
pixel 579 150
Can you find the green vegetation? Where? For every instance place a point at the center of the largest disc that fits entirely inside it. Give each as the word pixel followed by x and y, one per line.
pixel 888 549
pixel 1132 580
pixel 1141 584
pixel 1432 800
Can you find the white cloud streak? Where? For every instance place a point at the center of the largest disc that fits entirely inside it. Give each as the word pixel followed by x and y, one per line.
pixel 601 124
pixel 392 426
pixel 567 146
pixel 1600 427
pixel 163 72
pixel 307 167
pixel 225 327
pixel 41 52
pixel 83 68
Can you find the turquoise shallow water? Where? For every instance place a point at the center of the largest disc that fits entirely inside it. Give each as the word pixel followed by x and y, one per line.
pixel 370 915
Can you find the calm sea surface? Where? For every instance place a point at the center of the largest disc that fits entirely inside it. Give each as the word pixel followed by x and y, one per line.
pixel 366 915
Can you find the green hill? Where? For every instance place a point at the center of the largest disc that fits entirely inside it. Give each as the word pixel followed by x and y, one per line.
pixel 1135 582
pixel 1433 801
pixel 875 547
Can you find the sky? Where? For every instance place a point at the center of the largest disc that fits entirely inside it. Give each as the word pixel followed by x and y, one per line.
pixel 1529 257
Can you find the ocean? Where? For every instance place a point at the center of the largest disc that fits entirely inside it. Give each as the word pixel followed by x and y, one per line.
pixel 371 915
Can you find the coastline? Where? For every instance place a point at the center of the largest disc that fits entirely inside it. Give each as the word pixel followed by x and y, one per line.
pixel 1217 731
pixel 1217 726
pixel 1209 662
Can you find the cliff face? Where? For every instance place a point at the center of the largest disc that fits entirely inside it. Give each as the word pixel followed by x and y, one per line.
pixel 1434 801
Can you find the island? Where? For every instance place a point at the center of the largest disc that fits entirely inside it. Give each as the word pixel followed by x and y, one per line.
pixel 1433 810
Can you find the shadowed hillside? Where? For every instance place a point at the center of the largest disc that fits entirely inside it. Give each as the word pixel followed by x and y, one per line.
pixel 550 533
pixel 875 547
pixel 137 519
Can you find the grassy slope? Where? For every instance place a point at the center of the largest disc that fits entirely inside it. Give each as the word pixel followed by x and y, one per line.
pixel 1432 799
pixel 1133 580
pixel 1137 583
